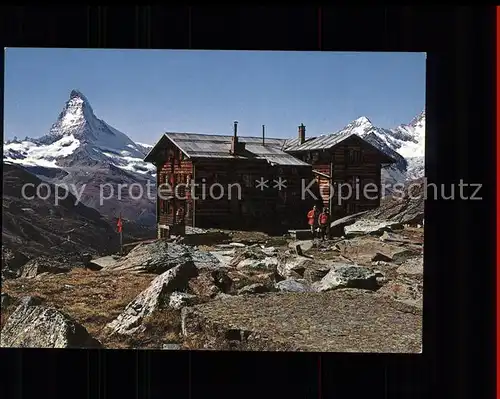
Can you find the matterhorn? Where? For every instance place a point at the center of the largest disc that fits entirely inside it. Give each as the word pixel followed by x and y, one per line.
pixel 81 149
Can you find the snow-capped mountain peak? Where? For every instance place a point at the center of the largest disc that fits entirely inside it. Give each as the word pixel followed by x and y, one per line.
pixel 75 119
pixel 360 126
pixel 404 141
pixel 83 150
pixel 411 137
pixel 75 93
pixel 419 120
pixel 78 137
pixel 77 97
pixel 405 144
pixel 362 121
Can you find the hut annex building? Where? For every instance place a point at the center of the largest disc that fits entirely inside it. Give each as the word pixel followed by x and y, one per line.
pixel 259 183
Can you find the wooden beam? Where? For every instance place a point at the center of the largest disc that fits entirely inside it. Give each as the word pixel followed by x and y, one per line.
pixel 322 174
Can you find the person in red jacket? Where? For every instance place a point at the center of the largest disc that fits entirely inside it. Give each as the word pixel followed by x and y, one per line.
pixel 312 220
pixel 324 223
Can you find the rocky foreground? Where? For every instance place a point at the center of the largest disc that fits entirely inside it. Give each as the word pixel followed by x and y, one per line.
pixel 335 321
pixel 361 291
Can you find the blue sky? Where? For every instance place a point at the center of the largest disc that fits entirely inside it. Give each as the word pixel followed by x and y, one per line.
pixel 146 92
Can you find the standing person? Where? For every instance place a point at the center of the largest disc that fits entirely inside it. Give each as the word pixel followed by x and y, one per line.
pixel 312 220
pixel 324 223
pixel 180 222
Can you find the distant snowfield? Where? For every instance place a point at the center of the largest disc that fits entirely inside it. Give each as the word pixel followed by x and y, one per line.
pixel 416 168
pixel 145 145
pixel 407 140
pixel 414 146
pixel 405 143
pixel 30 154
pixel 130 163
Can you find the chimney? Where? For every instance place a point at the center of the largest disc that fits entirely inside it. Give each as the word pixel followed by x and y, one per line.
pixel 263 134
pixel 235 145
pixel 302 133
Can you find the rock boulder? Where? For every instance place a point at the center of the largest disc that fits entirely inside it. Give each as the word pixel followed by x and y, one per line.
pixel 153 298
pixel 43 264
pixel 33 325
pixel 159 256
pixel 292 285
pixel 369 226
pixel 347 276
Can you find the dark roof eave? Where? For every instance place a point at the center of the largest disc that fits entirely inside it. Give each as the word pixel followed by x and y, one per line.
pixel 388 160
pixel 297 150
pixel 150 156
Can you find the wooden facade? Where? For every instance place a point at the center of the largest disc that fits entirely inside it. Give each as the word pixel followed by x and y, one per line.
pixel 222 192
pixel 237 202
pixel 354 163
pixel 210 181
pixel 174 178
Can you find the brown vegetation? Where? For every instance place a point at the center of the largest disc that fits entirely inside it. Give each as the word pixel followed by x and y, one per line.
pixel 95 299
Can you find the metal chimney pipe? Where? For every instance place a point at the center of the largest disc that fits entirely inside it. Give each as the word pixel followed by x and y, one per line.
pixel 263 134
pixel 234 139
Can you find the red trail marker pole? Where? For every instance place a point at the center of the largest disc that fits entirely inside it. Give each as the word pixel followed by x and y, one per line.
pixel 119 227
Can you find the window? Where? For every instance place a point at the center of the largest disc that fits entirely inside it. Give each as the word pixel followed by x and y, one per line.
pixel 164 207
pixel 163 178
pixel 315 157
pixel 354 156
pixel 180 188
